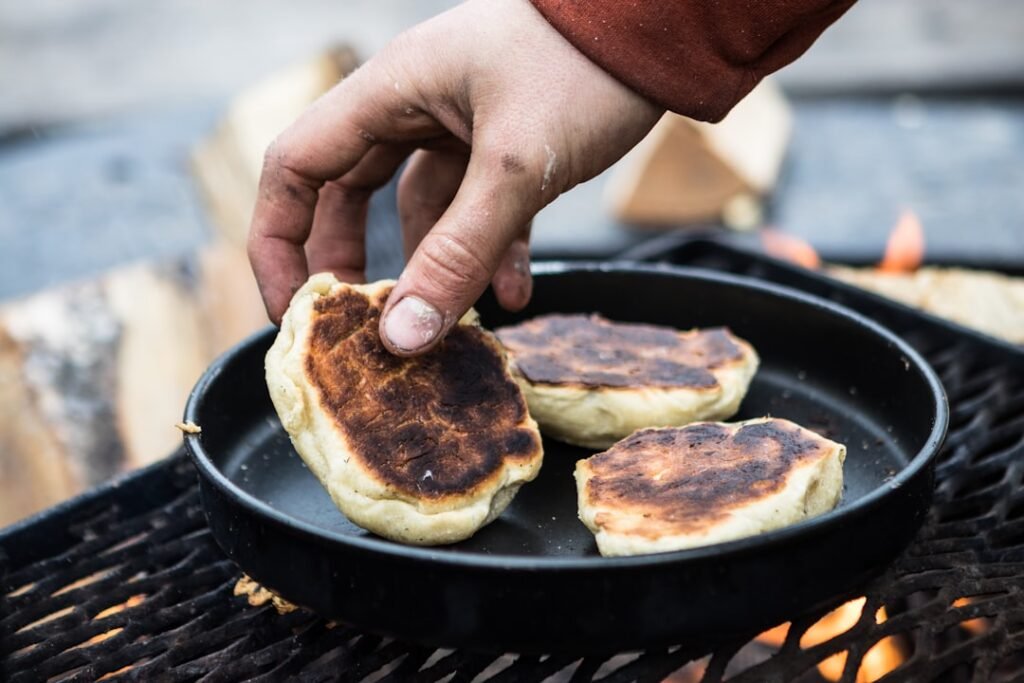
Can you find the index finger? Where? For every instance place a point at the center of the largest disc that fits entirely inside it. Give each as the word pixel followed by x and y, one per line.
pixel 327 141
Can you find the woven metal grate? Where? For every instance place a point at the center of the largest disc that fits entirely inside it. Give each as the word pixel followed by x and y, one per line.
pixel 127 583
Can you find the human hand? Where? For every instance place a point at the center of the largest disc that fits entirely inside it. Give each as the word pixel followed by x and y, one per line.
pixel 500 115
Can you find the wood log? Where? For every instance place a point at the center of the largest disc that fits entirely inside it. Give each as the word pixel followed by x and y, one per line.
pixel 687 171
pixel 94 375
pixel 228 164
pixel 33 472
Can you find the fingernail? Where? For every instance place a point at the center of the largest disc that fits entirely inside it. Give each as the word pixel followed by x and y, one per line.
pixel 411 324
pixel 521 255
pixel 518 287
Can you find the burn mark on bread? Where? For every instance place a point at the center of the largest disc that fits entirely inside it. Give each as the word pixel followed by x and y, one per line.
pixel 685 479
pixel 438 424
pixel 592 351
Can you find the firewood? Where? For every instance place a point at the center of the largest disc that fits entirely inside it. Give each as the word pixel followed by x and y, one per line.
pixel 686 171
pixel 33 471
pixel 228 164
pixel 94 375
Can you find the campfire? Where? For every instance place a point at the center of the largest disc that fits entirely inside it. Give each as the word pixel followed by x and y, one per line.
pixel 183 621
pixel 987 301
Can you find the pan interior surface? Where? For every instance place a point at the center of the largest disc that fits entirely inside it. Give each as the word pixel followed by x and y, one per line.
pixel 819 368
pixel 542 521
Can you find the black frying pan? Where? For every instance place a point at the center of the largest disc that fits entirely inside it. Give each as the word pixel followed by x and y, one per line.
pixel 532 580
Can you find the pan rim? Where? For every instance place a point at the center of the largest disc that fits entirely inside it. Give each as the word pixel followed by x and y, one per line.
pixel 481 561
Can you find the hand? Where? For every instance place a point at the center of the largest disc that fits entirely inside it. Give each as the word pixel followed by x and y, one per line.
pixel 500 115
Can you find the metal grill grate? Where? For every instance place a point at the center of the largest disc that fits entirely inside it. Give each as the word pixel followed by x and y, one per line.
pixel 127 583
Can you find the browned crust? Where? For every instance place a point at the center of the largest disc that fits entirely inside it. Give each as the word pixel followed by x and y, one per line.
pixel 591 351
pixel 685 479
pixel 433 426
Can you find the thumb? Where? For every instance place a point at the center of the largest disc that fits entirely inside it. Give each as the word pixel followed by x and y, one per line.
pixel 456 260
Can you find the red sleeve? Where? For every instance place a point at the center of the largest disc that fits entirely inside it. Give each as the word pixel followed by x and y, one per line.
pixel 695 57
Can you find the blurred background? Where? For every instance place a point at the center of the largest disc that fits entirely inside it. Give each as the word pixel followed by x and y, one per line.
pixel 131 136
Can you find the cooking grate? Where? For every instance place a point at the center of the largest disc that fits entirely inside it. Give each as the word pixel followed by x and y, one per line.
pixel 126 583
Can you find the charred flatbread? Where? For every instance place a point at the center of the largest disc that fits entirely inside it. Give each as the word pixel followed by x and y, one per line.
pixel 421 450
pixel 684 487
pixel 590 381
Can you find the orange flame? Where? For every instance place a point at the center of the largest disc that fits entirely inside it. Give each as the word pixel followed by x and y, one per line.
pixel 904 251
pixel 787 247
pixel 883 657
pixel 774 636
pixel 691 673
pixel 972 626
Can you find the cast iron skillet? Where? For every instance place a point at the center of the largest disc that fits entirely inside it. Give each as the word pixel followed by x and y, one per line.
pixel 532 581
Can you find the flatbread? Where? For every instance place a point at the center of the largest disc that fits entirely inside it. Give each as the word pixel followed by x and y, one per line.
pixel 421 450
pixel 590 382
pixel 711 482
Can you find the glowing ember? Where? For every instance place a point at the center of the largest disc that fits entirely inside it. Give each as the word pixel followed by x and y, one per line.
pixel 130 602
pixel 100 637
pixel 787 247
pixel 113 674
pixel 904 251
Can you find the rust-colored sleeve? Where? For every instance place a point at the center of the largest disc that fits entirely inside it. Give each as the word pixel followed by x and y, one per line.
pixel 695 57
